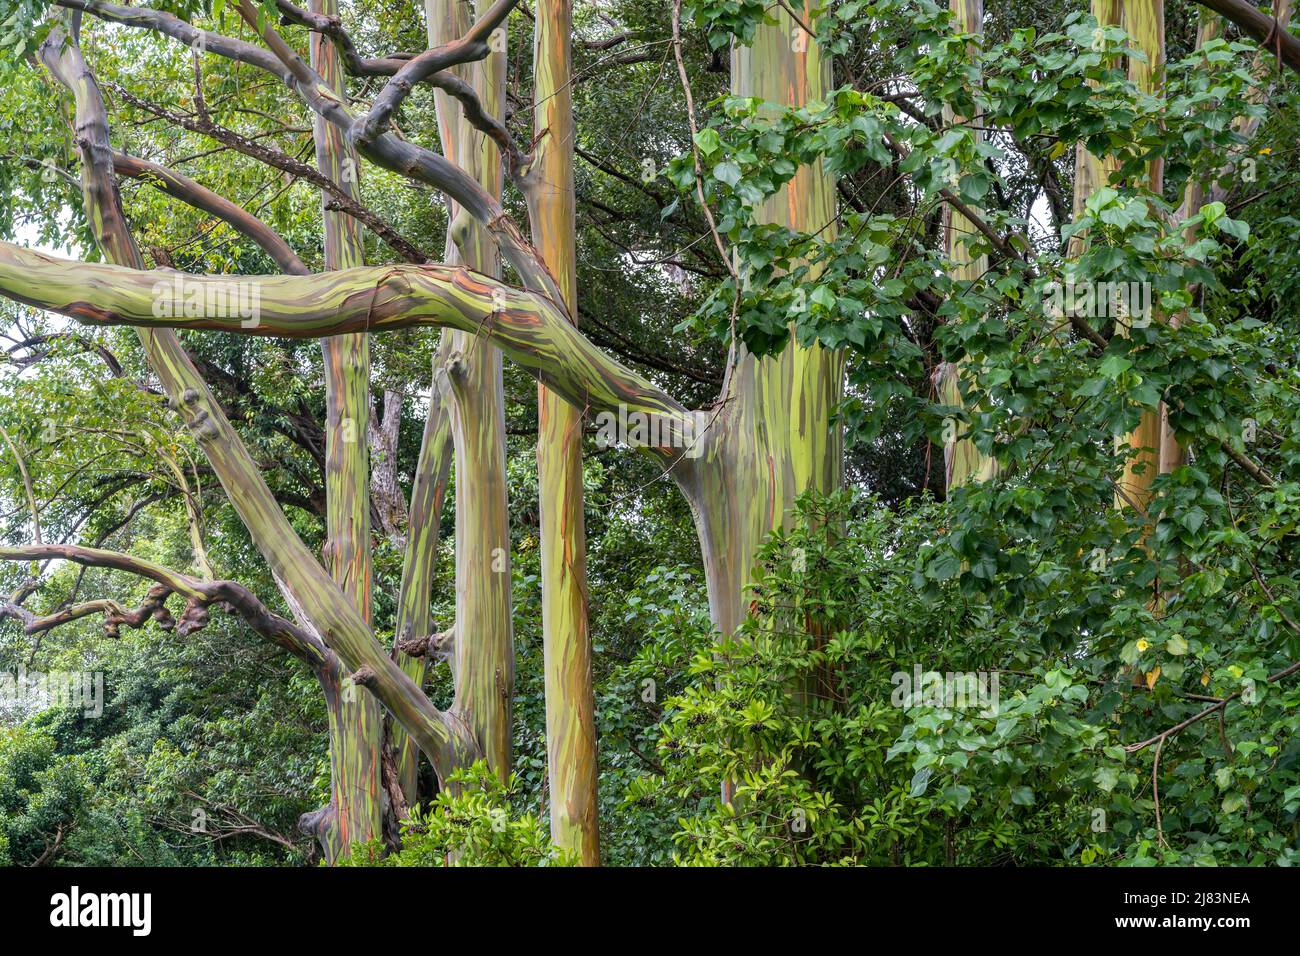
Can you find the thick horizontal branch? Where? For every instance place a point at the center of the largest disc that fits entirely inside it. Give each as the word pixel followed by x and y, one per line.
pixel 1259 26
pixel 526 326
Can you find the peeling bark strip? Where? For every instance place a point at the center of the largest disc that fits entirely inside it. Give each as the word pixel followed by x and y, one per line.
pixel 566 639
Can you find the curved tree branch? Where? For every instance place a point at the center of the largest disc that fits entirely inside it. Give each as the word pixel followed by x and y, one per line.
pixel 528 327
pixel 1268 32
pixel 181 187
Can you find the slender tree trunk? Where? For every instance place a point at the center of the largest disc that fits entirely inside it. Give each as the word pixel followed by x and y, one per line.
pixel 963 462
pixel 570 700
pixel 414 621
pixel 483 658
pixel 1144 20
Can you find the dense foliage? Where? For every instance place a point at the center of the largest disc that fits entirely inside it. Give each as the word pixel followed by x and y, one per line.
pixel 1133 691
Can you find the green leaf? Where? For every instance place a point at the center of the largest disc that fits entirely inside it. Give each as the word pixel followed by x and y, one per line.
pixel 708 141
pixel 920 780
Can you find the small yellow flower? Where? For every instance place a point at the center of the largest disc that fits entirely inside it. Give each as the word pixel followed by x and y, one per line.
pixel 1266 150
pixel 1142 645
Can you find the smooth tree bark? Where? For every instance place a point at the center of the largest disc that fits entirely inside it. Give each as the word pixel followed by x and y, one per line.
pixel 963 461
pixel 771 436
pixel 482 641
pixel 566 640
pixel 355 811
pixel 1092 172
pixel 1144 21
pixel 414 624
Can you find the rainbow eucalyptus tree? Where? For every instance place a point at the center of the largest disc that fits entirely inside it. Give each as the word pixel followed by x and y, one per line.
pixel 770 435
pixel 963 461
pixel 570 699
pixel 355 812
pixel 768 438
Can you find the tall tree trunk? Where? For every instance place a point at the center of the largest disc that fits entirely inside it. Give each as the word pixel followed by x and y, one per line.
pixel 483 659
pixel 414 621
pixel 570 700
pixel 770 437
pixel 1092 172
pixel 963 462
pixel 1144 20
pixel 355 812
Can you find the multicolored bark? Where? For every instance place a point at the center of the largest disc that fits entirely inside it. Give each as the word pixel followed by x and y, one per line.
pixel 772 436
pixel 414 621
pixel 570 699
pixel 527 327
pixel 483 660
pixel 963 461
pixel 355 719
pixel 1144 20
pixel 1092 172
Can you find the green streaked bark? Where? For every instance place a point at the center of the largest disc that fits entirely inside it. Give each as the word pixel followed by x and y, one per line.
pixel 483 661
pixel 428 492
pixel 316 600
pixel 527 327
pixel 772 437
pixel 356 722
pixel 1092 172
pixel 1144 20
pixel 963 462
pixel 570 700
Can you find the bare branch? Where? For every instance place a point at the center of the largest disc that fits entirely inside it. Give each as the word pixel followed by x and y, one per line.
pixel 1268 31
pixel 283 161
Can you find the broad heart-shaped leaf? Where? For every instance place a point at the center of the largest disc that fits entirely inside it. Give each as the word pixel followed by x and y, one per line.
pixel 945 565
pixel 727 172
pixel 708 140
pixel 1106 778
pixel 1233 802
pixel 1112 366
pixel 920 781
pixel 958 794
pixel 1234 227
